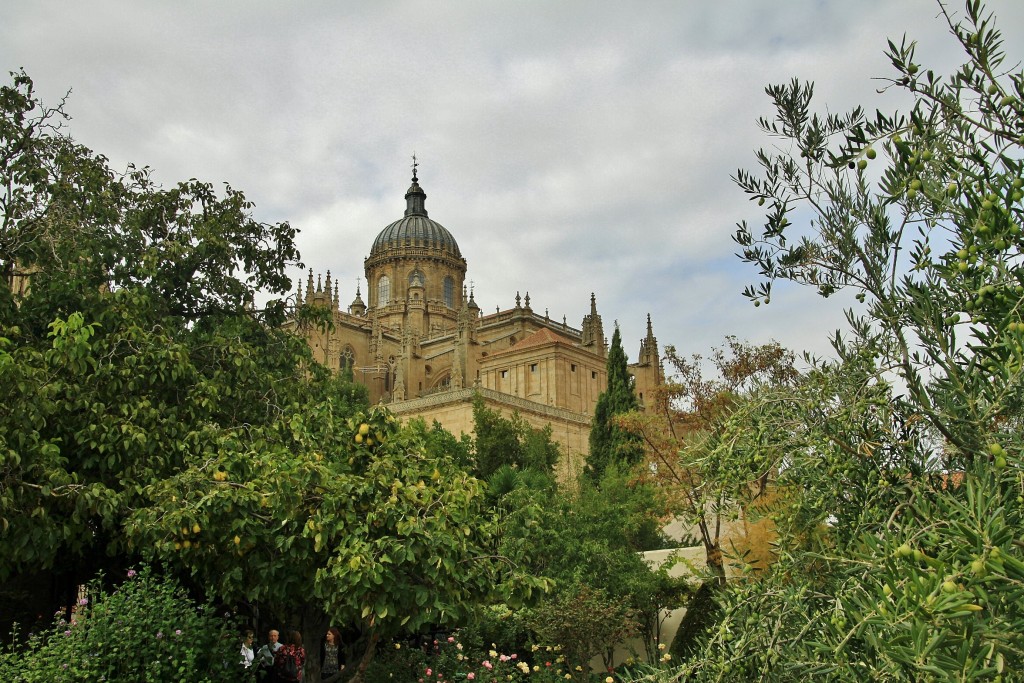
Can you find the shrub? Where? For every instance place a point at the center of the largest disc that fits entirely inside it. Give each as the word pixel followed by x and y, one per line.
pixel 584 622
pixel 398 661
pixel 147 629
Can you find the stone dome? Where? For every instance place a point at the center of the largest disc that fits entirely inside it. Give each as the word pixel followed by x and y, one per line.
pixel 415 229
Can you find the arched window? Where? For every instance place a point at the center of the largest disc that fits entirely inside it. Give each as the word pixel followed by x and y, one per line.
pixel 347 363
pixel 383 290
pixel 449 292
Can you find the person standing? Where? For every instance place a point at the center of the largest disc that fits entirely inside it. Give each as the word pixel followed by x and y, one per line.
pixel 332 667
pixel 248 656
pixel 290 658
pixel 266 656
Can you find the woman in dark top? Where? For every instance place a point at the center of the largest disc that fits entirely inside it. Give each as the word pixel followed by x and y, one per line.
pixel 331 657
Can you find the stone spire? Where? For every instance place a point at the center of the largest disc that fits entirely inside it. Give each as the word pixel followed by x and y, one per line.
pixel 649 347
pixel 593 329
pixel 358 307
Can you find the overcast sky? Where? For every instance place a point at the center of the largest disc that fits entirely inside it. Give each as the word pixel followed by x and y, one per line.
pixel 570 147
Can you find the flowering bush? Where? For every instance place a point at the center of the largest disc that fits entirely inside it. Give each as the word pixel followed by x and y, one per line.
pixel 145 630
pixel 448 659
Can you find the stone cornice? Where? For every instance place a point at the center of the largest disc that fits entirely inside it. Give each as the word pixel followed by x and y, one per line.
pixel 522 405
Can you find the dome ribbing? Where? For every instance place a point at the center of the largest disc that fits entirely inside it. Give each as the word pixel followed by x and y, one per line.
pixel 415 229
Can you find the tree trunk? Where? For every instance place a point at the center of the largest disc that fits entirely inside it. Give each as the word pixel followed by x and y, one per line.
pixel 716 562
pixel 314 624
pixel 364 663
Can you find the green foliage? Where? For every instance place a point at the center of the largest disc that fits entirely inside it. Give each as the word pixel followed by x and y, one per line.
pixel 934 598
pixel 584 622
pixel 590 541
pixel 898 492
pixel 137 402
pixel 413 545
pixel 145 630
pixel 348 517
pixel 495 440
pixel 130 343
pixel 156 414
pixel 439 441
pixel 507 482
pixel 933 250
pixel 497 627
pixel 595 533
pixel 454 658
pixel 609 443
pixel 462 656
pixel 499 441
pixel 622 510
pixel 541 451
pixel 398 661
pixel 78 228
pixel 652 596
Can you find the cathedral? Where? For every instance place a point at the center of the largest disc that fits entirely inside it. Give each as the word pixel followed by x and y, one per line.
pixel 422 344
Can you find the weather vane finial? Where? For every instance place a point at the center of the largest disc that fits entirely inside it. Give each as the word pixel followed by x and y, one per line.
pixel 414 165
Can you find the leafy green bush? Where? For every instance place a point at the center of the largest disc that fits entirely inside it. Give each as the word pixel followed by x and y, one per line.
pixel 498 626
pixel 147 629
pixel 585 622
pixel 395 662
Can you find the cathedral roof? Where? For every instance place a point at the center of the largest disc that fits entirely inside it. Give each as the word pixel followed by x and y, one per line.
pixel 541 337
pixel 415 229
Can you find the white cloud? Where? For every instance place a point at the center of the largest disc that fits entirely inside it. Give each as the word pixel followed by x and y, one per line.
pixel 570 147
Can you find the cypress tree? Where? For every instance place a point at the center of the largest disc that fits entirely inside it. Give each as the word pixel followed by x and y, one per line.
pixel 608 442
